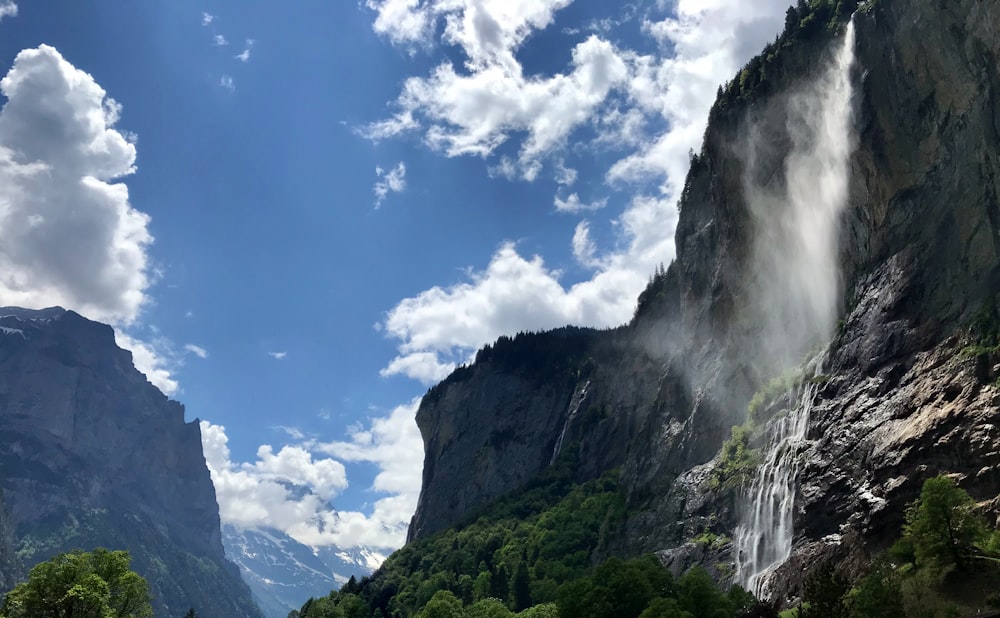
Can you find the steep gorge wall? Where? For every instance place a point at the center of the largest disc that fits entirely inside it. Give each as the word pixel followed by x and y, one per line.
pixel 920 259
pixel 92 454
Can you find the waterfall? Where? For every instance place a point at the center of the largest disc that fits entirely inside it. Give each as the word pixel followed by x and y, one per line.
pixel 796 259
pixel 764 539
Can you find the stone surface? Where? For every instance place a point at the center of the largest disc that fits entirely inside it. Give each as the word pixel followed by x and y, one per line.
pixel 920 259
pixel 92 454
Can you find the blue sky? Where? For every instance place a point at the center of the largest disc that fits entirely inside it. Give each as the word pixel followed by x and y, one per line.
pixel 331 204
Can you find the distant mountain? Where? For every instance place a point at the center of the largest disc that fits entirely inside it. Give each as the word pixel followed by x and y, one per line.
pixel 93 455
pixel 283 573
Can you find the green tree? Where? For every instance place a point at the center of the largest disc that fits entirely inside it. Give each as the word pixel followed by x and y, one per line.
pixel 942 525
pixel 700 596
pixel 481 586
pixel 96 584
pixel 547 610
pixel 664 608
pixel 192 614
pixel 879 594
pixel 824 594
pixel 487 608
pixel 521 587
pixel 443 604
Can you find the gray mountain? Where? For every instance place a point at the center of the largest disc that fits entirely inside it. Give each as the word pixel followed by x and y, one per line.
pixel 283 573
pixel 93 455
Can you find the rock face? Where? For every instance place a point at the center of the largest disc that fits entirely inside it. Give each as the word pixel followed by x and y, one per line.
pixel 282 572
pixel 903 397
pixel 92 454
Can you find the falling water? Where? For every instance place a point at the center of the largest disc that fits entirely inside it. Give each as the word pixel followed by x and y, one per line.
pixel 800 286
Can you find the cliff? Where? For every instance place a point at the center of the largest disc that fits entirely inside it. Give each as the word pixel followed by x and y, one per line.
pixel 92 455
pixel 907 386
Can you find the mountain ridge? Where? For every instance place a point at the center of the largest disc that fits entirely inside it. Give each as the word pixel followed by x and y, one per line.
pixel 92 455
pixel 918 257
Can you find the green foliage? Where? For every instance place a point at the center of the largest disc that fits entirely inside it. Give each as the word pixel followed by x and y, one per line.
pixel 444 604
pixel 984 330
pixel 711 540
pixel 942 526
pixel 178 578
pixel 488 608
pixel 879 594
pixel 774 389
pixel 658 282
pixel 805 23
pixel 699 596
pixel 96 584
pixel 824 594
pixel 665 608
pixel 945 546
pixel 737 461
pixel 535 546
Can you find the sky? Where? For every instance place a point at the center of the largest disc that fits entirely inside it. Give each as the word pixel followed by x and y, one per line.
pixel 300 215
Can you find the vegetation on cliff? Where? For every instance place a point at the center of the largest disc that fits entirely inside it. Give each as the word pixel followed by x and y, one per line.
pixel 533 553
pixel 946 564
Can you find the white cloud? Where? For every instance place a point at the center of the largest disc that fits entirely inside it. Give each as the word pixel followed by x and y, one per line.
pixel 261 494
pixel 474 113
pixel 393 443
pixel 584 248
pixel 226 81
pixel 617 93
pixel 154 359
pixel 710 41
pixel 207 19
pixel 572 204
pixel 197 350
pixel 404 22
pixel 220 41
pixel 565 176
pixel 244 56
pixel 69 235
pixel 391 181
pixel 423 366
pixel 8 8
pixel 278 355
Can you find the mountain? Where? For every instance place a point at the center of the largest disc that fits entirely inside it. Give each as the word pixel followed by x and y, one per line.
pixel 835 297
pixel 93 455
pixel 281 571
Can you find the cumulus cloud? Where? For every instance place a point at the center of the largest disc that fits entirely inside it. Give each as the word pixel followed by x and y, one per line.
pixel 227 82
pixel 278 355
pixel 390 181
pixel 614 92
pixel 291 489
pixel 68 233
pixel 476 109
pixel 404 22
pixel 474 113
pixel 264 493
pixel 220 41
pixel 207 19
